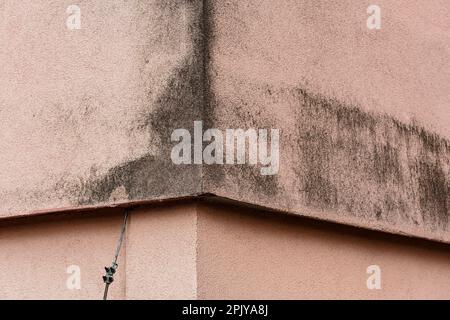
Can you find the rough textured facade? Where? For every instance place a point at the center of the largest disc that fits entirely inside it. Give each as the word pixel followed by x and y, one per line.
pixel 87 115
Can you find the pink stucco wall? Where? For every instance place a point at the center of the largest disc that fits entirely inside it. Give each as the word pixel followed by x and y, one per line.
pixel 87 114
pixel 250 254
pixel 35 256
pixel 162 253
pixel 214 250
pixel 364 114
pixel 86 120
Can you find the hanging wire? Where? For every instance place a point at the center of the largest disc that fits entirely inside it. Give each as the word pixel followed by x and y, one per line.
pixel 108 278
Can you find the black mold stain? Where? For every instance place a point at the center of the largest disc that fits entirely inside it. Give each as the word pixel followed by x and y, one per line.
pixel 207 41
pixel 434 201
pixel 247 179
pixel 372 165
pixel 152 175
pixel 177 107
pixel 350 161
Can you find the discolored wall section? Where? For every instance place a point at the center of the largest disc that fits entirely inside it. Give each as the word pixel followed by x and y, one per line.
pixel 87 114
pixel 364 114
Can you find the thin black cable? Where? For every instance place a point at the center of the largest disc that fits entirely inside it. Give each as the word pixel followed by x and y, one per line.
pixel 108 278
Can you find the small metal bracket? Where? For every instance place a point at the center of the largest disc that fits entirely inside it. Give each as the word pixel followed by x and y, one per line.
pixel 108 278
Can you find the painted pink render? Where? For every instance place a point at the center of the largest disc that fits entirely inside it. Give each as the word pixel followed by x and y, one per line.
pixel 86 117
pixel 87 114
pixel 210 250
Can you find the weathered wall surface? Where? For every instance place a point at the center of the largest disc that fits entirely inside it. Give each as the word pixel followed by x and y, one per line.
pixel 87 114
pixel 364 114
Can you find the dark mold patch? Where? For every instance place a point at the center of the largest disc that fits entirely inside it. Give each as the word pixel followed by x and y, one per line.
pixel 434 194
pixel 178 106
pixel 145 177
pixel 247 179
pixel 370 165
pixel 156 175
pixel 335 157
pixel 346 160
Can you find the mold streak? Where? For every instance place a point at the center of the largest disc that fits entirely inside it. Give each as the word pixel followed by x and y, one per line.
pixel 371 165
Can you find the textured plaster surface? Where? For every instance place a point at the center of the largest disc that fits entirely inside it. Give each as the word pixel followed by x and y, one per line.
pixel 213 250
pixel 157 258
pixel 35 256
pixel 162 253
pixel 246 254
pixel 364 114
pixel 86 115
